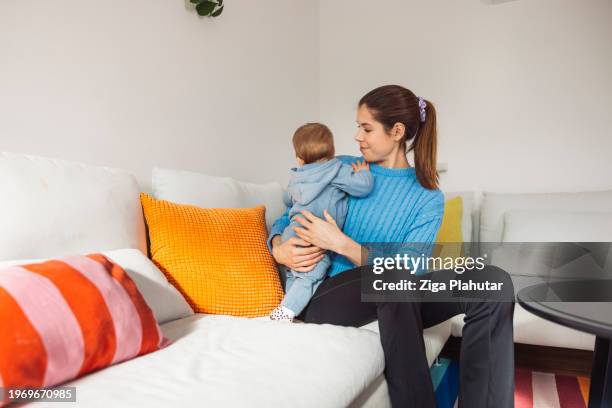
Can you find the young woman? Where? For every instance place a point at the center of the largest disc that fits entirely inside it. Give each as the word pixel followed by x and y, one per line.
pixel 405 206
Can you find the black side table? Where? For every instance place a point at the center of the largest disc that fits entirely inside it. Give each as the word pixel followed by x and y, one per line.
pixel 581 305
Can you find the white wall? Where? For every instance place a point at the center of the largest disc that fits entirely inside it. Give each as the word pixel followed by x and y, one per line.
pixel 523 89
pixel 138 83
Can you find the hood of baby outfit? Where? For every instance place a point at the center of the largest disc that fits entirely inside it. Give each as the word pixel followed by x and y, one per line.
pixel 308 181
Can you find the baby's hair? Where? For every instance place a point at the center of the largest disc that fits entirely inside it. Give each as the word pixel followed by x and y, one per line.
pixel 313 142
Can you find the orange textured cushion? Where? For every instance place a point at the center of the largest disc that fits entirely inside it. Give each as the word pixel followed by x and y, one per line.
pixel 216 257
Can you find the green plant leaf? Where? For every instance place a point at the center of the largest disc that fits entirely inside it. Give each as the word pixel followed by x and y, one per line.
pixel 195 1
pixel 205 8
pixel 218 12
pixel 220 3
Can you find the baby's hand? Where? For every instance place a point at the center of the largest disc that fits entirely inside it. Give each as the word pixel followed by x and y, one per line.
pixel 360 166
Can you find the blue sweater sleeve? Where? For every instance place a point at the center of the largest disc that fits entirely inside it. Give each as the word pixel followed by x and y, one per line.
pixel 278 227
pixel 427 222
pixel 287 198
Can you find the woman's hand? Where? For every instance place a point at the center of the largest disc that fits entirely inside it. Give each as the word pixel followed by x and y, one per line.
pixel 296 254
pixel 321 233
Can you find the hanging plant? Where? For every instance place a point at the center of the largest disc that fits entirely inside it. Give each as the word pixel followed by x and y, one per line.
pixel 209 8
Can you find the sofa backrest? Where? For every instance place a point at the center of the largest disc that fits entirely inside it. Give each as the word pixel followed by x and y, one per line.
pixel 50 208
pixel 202 190
pixel 494 206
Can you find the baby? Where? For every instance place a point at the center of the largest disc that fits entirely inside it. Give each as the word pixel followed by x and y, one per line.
pixel 321 182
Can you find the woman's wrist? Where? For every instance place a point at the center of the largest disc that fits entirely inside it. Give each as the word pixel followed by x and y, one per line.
pixel 343 245
pixel 350 250
pixel 276 240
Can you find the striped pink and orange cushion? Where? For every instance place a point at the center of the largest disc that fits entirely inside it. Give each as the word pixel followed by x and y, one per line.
pixel 61 319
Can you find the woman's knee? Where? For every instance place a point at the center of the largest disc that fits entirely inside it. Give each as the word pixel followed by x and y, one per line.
pixel 496 271
pixel 498 304
pixel 501 312
pixel 503 280
pixel 399 320
pixel 398 311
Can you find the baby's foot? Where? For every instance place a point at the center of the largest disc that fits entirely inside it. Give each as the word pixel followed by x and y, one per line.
pixel 282 314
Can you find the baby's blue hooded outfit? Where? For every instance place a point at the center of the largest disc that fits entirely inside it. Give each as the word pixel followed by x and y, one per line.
pixel 317 187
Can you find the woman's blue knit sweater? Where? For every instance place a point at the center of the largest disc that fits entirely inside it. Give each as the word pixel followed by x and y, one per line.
pixel 398 210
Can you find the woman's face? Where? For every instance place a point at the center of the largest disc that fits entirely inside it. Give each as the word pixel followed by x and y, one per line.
pixel 376 144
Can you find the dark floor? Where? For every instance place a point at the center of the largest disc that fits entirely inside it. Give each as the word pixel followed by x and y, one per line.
pixel 538 358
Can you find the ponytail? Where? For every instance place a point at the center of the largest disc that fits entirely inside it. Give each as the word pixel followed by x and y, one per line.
pixel 424 147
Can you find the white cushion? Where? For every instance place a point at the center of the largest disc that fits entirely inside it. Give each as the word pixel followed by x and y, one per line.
pixel 556 226
pixel 186 187
pixel 494 206
pixel 53 207
pixel 164 300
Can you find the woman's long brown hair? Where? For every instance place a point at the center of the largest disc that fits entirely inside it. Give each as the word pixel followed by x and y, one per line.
pixel 391 104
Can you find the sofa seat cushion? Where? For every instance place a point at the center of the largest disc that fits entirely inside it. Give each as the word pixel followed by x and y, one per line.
pixel 226 361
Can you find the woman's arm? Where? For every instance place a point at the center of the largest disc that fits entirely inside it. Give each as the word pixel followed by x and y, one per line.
pixel 295 253
pixel 327 235
pixel 352 251
pixel 278 227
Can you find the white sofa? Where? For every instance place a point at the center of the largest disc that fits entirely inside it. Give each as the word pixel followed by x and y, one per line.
pixel 547 217
pixel 52 208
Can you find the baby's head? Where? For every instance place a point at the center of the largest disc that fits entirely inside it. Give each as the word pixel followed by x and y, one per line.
pixel 313 142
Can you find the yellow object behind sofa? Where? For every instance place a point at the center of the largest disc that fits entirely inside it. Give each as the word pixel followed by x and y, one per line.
pixel 217 258
pixel 450 236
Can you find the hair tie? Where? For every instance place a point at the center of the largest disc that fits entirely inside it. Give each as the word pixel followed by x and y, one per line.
pixel 422 106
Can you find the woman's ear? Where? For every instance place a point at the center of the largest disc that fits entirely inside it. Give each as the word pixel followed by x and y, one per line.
pixel 398 131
